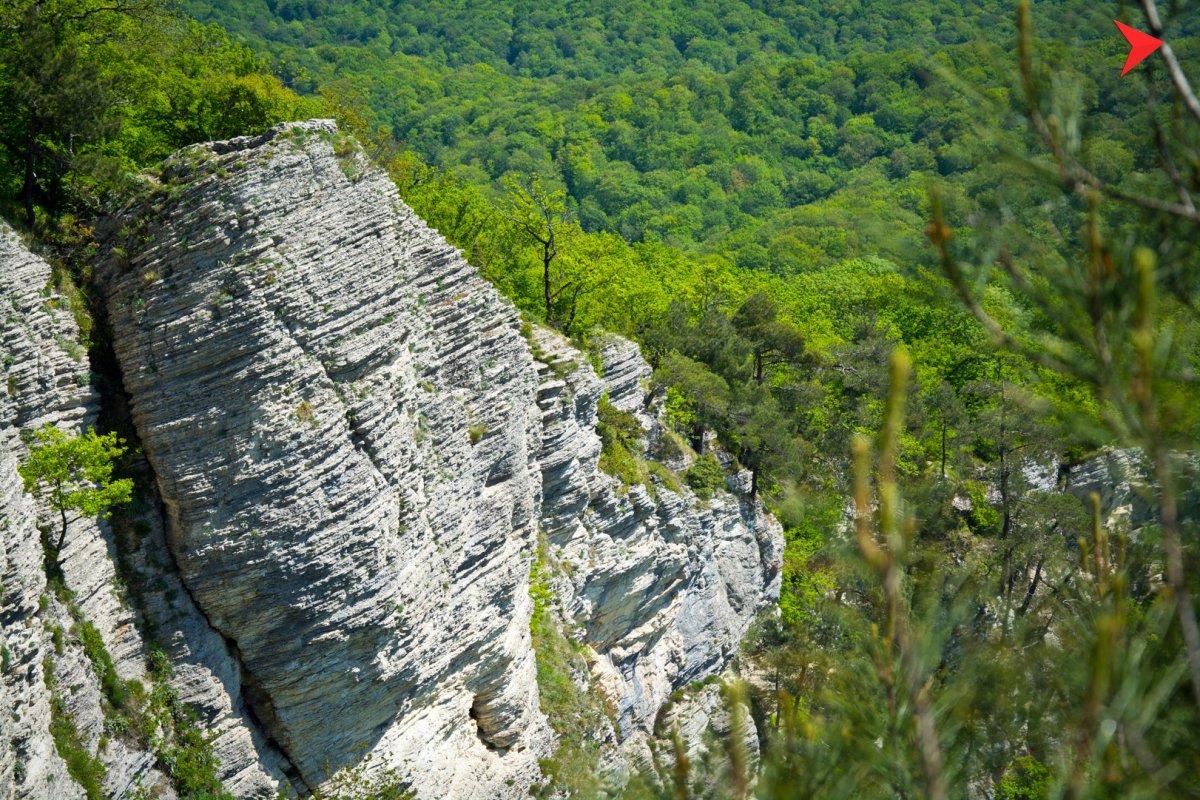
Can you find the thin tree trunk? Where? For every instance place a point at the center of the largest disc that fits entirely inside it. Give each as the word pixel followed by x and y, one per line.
pixel 1006 527
pixel 651 396
pixel 777 709
pixel 30 181
pixel 943 451
pixel 1004 467
pixel 547 257
pixel 62 538
pixel 1037 577
pixel 1169 515
pixel 574 308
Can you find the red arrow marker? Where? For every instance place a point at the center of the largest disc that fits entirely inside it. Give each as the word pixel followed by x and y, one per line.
pixel 1141 45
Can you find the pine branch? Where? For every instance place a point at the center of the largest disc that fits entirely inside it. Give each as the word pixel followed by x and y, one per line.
pixel 1182 86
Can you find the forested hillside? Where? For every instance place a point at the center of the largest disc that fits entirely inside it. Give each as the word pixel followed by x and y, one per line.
pixel 927 271
pixel 746 189
pixel 780 135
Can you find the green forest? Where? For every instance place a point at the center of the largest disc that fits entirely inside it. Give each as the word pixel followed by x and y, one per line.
pixel 782 137
pixel 912 263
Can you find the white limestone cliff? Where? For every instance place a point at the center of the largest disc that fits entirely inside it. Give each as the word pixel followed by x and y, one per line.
pixel 46 379
pixel 352 453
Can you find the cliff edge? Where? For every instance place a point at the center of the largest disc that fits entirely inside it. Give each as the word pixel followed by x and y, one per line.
pixel 355 451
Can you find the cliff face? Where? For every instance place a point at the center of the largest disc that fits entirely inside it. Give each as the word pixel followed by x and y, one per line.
pixel 662 585
pixel 45 672
pixel 355 450
pixel 306 363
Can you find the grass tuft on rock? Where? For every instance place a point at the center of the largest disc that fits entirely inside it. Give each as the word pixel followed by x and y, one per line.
pixel 577 715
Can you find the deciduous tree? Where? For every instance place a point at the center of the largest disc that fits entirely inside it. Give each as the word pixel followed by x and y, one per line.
pixel 75 473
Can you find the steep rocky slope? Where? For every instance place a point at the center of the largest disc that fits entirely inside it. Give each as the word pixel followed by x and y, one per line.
pixel 353 450
pixel 47 380
pixel 304 361
pixel 663 585
pixel 43 663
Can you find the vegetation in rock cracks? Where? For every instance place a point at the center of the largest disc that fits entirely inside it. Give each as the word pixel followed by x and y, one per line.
pixel 75 473
pixel 574 707
pixel 922 268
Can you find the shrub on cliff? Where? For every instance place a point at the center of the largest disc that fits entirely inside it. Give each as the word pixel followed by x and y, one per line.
pixel 75 473
pixel 705 476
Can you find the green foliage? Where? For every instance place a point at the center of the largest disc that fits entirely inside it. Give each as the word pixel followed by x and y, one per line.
pixel 213 89
pixel 701 397
pixel 165 724
pixel 742 188
pixel 620 436
pixel 784 137
pixel 189 758
pixel 679 410
pixel 705 476
pixel 476 431
pixel 576 715
pixel 669 477
pixel 90 92
pixel 85 769
pixel 806 572
pixel 158 720
pixel 984 517
pixel 773 342
pixel 540 215
pixel 1026 779
pixel 76 472
pixel 306 413
pixel 75 297
pixel 114 689
pixel 363 781
pixel 58 637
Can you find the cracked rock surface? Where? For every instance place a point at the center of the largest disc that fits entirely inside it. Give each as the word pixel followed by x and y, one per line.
pixel 306 363
pixel 663 585
pixel 355 452
pixel 45 379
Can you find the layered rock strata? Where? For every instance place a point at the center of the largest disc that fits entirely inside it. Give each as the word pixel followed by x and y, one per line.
pixel 355 453
pixel 662 584
pixel 45 380
pixel 339 413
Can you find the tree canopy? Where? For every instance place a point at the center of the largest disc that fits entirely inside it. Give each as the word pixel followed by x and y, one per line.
pixel 91 91
pixel 75 473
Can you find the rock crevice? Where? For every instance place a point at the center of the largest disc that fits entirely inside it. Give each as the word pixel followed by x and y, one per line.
pixel 355 453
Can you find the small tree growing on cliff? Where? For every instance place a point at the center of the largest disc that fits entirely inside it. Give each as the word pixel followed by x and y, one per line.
pixel 74 473
pixel 541 215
